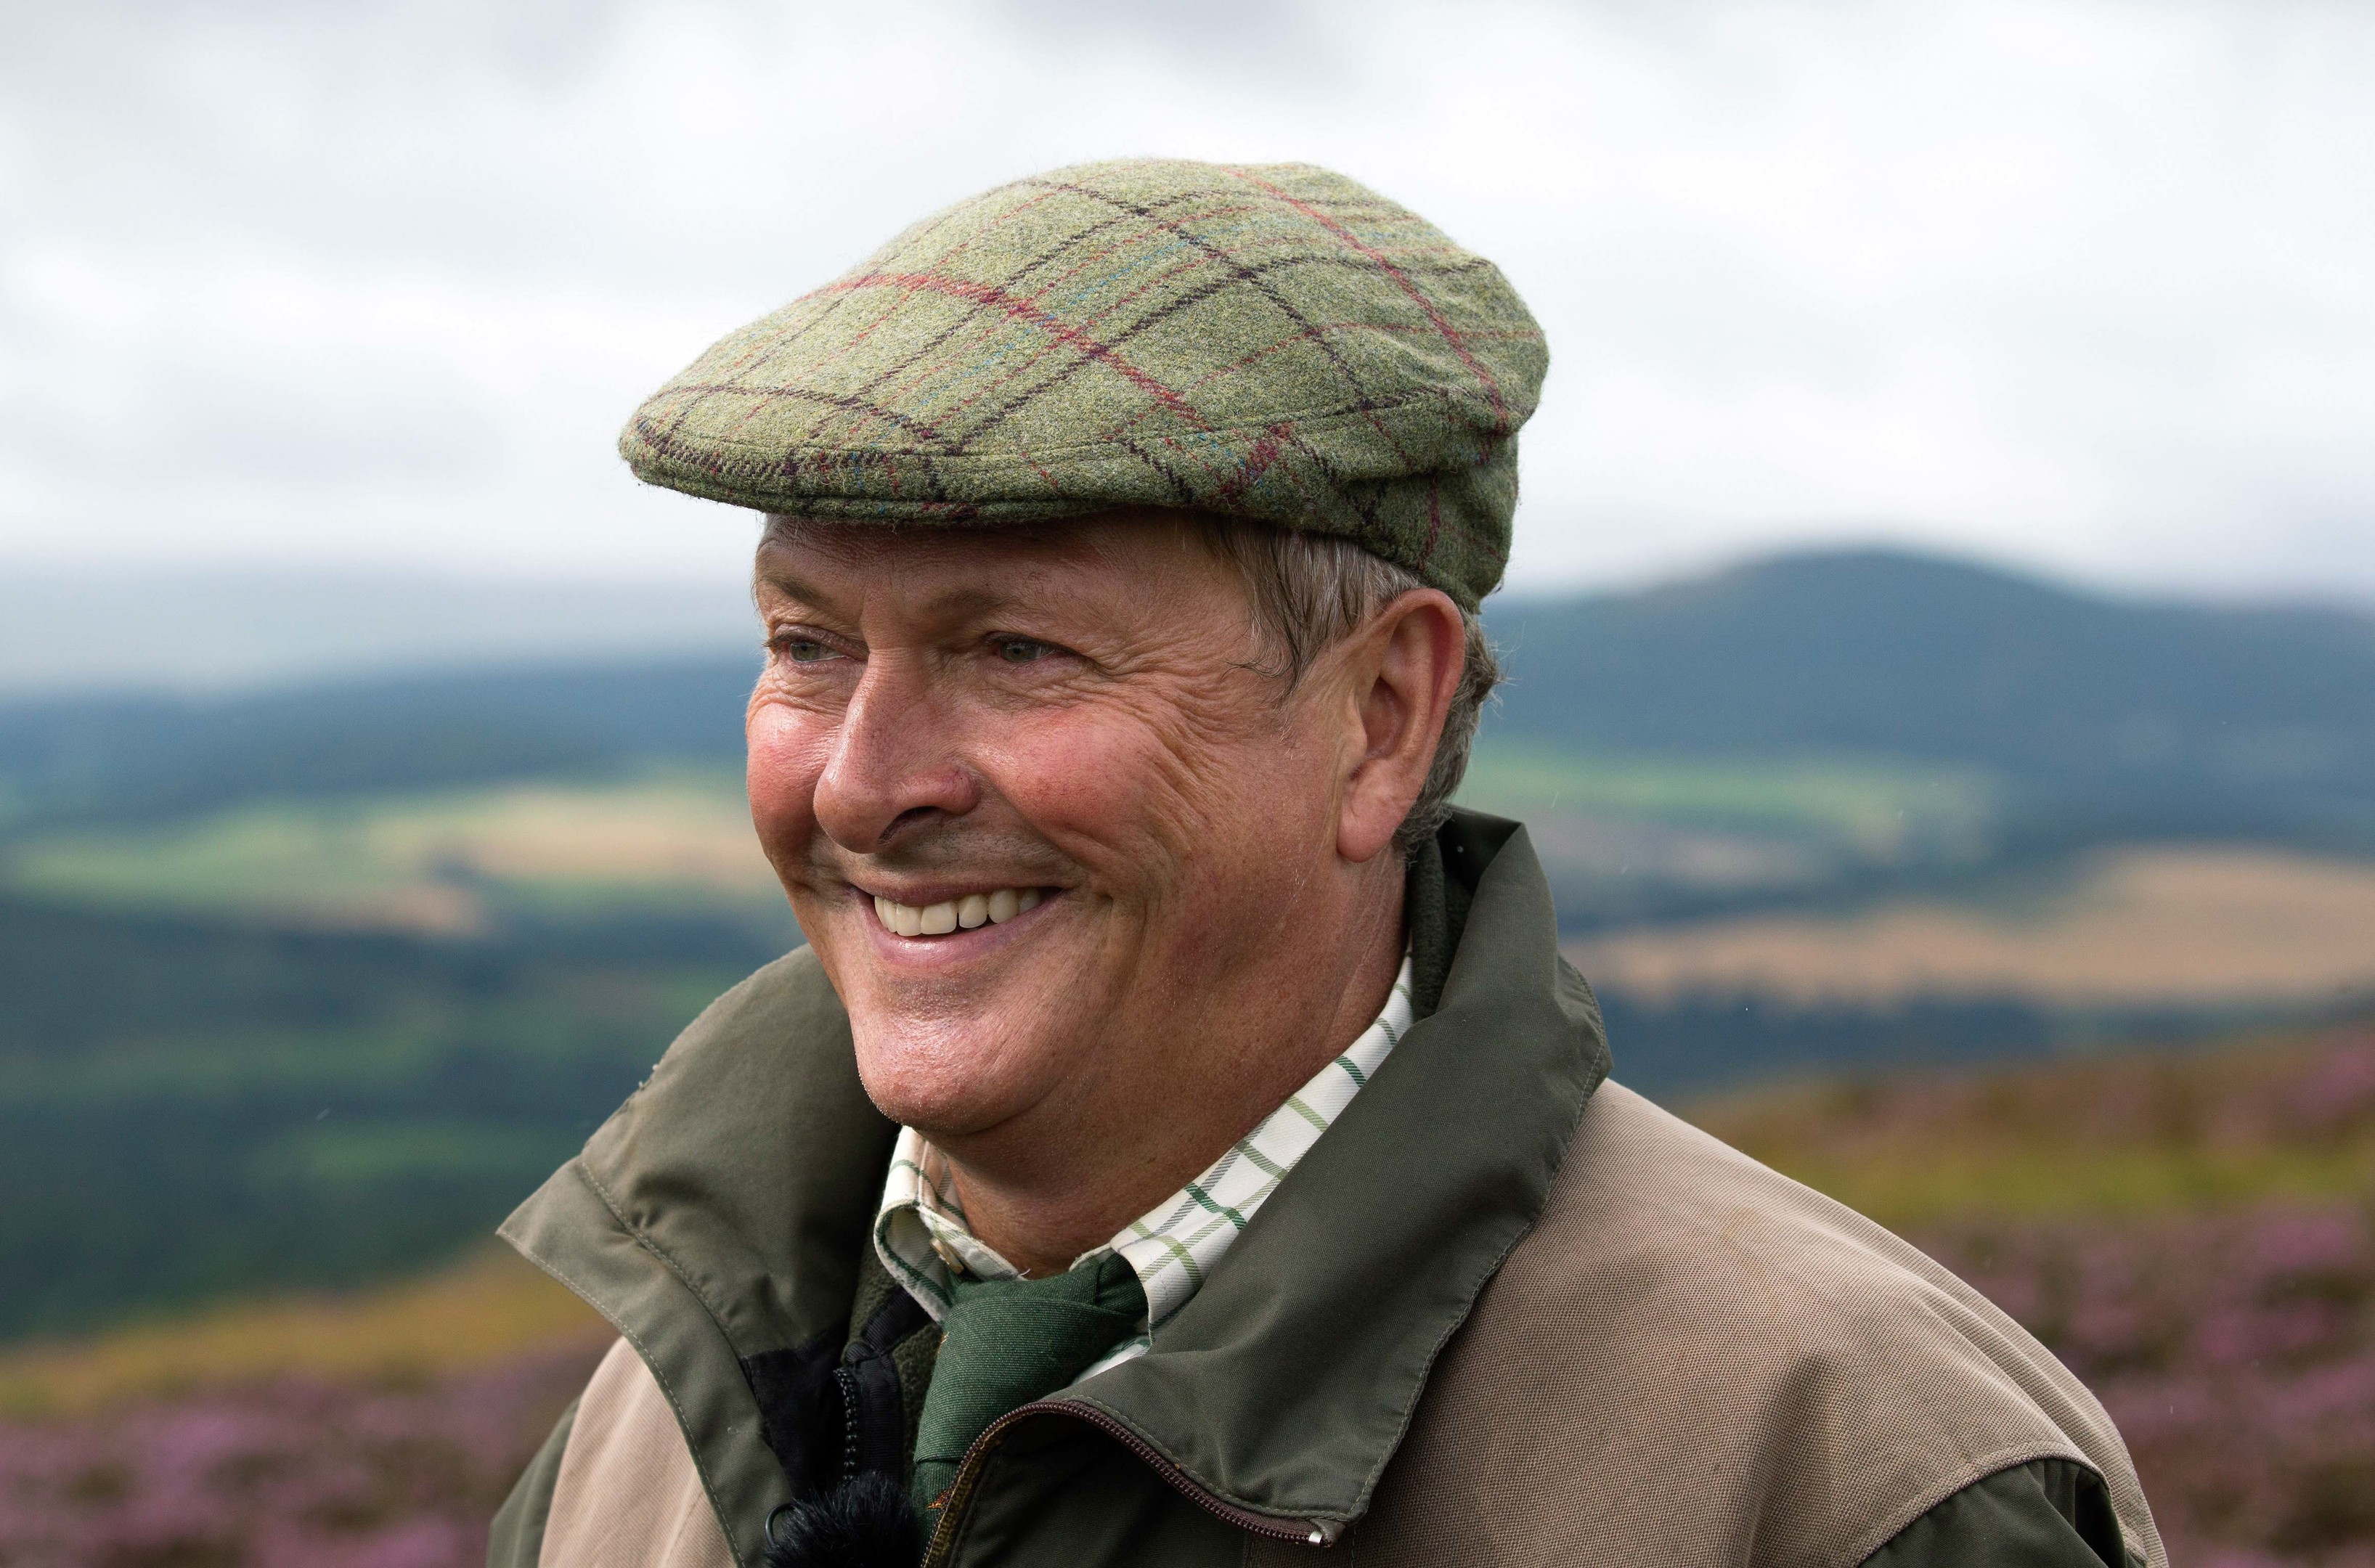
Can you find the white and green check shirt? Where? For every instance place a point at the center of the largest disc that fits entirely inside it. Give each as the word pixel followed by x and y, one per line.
pixel 921 1235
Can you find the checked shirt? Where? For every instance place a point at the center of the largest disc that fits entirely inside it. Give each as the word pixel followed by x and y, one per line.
pixel 922 1237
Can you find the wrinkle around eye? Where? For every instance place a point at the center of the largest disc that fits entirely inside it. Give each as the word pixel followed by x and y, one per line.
pixel 814 650
pixel 1035 651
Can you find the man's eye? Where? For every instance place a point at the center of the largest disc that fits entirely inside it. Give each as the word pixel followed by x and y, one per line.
pixel 804 650
pixel 1022 650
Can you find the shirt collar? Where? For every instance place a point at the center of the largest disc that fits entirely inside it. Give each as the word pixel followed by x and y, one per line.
pixel 922 1237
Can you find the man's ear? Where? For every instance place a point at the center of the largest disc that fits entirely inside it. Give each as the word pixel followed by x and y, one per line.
pixel 1405 668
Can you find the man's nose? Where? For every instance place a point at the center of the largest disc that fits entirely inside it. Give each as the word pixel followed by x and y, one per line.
pixel 893 762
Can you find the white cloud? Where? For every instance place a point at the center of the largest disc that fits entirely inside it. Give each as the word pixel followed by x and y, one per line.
pixel 2089 283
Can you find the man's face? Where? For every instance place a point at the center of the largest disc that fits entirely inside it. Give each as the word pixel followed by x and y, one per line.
pixel 1038 807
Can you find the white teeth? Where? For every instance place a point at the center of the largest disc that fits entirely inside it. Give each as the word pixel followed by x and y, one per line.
pixel 940 919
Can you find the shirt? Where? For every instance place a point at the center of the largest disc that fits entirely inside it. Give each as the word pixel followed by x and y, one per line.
pixel 921 1234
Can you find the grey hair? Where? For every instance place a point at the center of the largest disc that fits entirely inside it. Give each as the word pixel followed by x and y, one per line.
pixel 1310 592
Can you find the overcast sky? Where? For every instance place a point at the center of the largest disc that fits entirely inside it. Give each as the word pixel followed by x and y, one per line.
pixel 2088 285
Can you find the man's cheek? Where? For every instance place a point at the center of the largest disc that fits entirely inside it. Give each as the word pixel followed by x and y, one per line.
pixel 784 757
pixel 1061 780
pixel 1105 779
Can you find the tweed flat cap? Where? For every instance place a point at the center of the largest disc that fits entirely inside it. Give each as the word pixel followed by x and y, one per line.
pixel 1272 342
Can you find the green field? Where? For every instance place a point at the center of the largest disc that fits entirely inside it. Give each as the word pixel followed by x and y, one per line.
pixel 678 841
pixel 453 861
pixel 1881 810
pixel 675 842
pixel 196 1109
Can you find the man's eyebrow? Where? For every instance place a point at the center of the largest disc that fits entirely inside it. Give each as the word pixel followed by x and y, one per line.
pixel 788 585
pixel 783 582
pixel 971 601
pixel 958 600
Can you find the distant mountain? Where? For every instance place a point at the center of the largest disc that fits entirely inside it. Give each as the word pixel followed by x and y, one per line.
pixel 2181 715
pixel 2100 717
pixel 116 757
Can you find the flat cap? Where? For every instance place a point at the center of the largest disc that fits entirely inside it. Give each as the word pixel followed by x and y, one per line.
pixel 1272 342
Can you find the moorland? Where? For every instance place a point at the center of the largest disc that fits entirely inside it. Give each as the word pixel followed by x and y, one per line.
pixel 2085 1198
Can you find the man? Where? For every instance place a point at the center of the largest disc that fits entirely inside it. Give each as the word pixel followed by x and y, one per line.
pixel 1180 1141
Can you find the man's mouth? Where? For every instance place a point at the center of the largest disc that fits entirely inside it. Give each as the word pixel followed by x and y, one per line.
pixel 954 915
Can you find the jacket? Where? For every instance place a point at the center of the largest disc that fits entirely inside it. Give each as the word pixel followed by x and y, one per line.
pixel 1505 1312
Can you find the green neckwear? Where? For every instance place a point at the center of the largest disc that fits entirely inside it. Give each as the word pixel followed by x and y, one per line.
pixel 1006 1342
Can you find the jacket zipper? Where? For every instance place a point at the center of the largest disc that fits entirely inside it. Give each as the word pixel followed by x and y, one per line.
pixel 851 1431
pixel 1307 1532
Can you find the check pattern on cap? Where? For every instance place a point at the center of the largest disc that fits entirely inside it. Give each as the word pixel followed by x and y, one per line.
pixel 920 1232
pixel 1273 342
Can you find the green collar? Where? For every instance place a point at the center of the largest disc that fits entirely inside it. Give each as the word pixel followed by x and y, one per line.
pixel 717 1219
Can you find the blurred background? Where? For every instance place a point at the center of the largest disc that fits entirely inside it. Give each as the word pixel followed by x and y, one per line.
pixel 1943 628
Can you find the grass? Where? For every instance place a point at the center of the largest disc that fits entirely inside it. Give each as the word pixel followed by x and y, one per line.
pixel 2280 1117
pixel 1877 808
pixel 2190 1232
pixel 334 1155
pixel 489 1309
pixel 2177 925
pixel 677 842
pixel 2269 1118
pixel 444 862
pixel 204 1110
pixel 1921 1190
pixel 547 1025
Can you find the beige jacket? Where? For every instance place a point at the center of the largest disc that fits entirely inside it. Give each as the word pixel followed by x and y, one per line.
pixel 1690 1361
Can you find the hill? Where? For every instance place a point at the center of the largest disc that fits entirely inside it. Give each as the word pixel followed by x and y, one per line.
pixel 300 985
pixel 134 758
pixel 190 1110
pixel 2084 717
pixel 2150 717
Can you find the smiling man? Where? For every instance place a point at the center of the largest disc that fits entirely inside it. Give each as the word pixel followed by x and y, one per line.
pixel 1180 1142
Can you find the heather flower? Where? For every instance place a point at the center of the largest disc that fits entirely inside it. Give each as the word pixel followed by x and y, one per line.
pixel 294 1474
pixel 2234 1349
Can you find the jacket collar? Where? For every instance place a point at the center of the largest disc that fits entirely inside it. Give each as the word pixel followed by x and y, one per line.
pixel 716 1220
pixel 1286 1384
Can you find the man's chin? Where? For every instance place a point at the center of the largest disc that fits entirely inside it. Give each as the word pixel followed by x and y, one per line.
pixel 941 1088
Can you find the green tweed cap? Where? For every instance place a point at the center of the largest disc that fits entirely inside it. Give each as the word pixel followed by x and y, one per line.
pixel 1272 342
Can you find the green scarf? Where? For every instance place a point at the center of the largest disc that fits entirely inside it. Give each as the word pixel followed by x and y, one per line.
pixel 1006 1342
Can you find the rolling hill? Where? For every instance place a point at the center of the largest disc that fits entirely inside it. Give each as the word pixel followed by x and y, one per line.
pixel 190 1109
pixel 2090 718
pixel 2146 717
pixel 300 985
